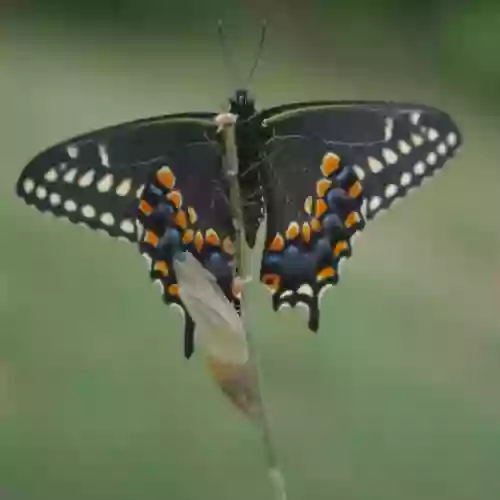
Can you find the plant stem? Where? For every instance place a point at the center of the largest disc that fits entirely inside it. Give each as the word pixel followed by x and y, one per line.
pixel 243 272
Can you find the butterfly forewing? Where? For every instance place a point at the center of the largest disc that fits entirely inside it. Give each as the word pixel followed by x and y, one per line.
pixel 330 165
pixel 96 178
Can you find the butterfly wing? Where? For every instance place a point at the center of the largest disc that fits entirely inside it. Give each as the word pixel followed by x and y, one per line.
pixel 157 182
pixel 96 178
pixel 328 168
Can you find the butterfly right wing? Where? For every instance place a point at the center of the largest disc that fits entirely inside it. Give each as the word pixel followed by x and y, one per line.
pixel 330 167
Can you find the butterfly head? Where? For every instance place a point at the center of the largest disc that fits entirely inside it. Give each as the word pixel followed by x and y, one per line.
pixel 242 104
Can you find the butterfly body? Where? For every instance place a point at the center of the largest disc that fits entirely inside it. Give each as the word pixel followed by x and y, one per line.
pixel 318 172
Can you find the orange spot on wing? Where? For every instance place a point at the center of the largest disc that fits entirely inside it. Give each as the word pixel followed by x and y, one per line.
pixel 352 219
pixel 193 217
pixel 326 272
pixel 212 237
pixel 227 245
pixel 145 207
pixel 272 281
pixel 151 238
pixel 198 241
pixel 306 232
pixel 166 177
pixel 293 231
pixel 355 190
pixel 173 289
pixel 162 267
pixel 187 236
pixel 340 247
pixel 321 207
pixel 180 219
pixel 322 187
pixel 330 164
pixel 176 198
pixel 315 225
pixel 277 244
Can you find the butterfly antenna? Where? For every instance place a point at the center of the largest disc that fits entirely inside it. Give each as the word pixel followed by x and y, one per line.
pixel 258 54
pixel 226 54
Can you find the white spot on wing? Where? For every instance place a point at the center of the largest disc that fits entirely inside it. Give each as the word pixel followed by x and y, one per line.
pixel 415 118
pixel 419 168
pixel 72 151
pixel 28 186
pixel 389 156
pixel 391 190
pixel 105 184
pixel 51 175
pixel 41 193
pixel 388 130
pixel 442 149
pixel 127 226
pixel 88 211
pixel 124 187
pixel 148 259
pixel 305 289
pixel 432 134
pixel 323 290
pixel 374 202
pixel 418 140
pixel 406 179
pixel 70 206
pixel 70 175
pixel 432 158
pixel 107 219
pixel 103 155
pixel 86 179
pixel 452 139
pixel 404 147
pixel 360 173
pixel 55 199
pixel 375 165
pixel 138 194
pixel 177 307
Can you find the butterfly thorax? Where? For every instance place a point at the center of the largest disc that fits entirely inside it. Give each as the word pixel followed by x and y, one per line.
pixel 248 142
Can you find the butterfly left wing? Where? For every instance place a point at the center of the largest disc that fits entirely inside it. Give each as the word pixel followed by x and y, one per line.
pixel 95 179
pixel 329 167
pixel 158 182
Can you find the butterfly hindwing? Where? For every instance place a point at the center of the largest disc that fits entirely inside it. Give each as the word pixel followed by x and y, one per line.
pixel 184 207
pixel 330 165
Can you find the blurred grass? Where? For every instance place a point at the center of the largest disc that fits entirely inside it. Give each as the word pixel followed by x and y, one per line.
pixel 396 397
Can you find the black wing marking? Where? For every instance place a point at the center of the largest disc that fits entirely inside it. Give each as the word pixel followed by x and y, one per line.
pixel 324 160
pixel 96 178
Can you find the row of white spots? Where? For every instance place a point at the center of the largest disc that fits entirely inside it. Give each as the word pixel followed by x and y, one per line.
pixel 418 170
pixel 70 206
pixel 103 186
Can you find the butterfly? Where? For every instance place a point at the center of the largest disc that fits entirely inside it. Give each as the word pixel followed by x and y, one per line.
pixel 316 171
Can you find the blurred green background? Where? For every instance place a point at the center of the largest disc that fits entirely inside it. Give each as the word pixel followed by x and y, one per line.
pixel 395 399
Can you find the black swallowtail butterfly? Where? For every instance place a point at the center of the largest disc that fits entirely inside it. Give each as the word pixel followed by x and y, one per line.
pixel 317 170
